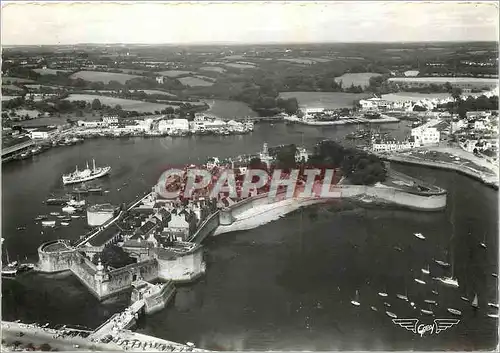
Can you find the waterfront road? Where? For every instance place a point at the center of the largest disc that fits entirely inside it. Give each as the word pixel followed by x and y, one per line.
pixel 29 334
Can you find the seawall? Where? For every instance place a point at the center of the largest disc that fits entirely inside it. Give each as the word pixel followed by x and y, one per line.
pixel 258 210
pixel 489 180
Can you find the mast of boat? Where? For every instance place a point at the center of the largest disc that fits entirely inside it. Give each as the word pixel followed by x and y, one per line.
pixel 475 302
pixel 93 163
pixel 87 165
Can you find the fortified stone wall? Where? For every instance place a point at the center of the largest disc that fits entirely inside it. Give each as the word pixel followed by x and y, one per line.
pixel 158 301
pixel 122 278
pixel 85 271
pixel 207 227
pixel 181 268
pixel 55 261
pixel 420 201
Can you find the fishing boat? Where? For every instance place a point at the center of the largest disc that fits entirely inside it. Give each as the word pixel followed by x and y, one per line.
pixel 419 236
pixel 373 308
pixel 40 217
pixel 426 270
pixel 69 209
pixel 464 299
pixel 454 311
pixel 493 305
pixel 435 292
pixel 430 301
pixel 9 270
pixel 54 213
pixel 383 294
pixel 475 302
pixel 75 203
pixel 390 314
pixel 85 175
pixel 356 302
pixel 494 275
pixel 64 223
pixel 21 228
pixel 75 216
pixel 495 316
pixel 57 201
pixel 398 248
pixel 48 223
pixel 387 304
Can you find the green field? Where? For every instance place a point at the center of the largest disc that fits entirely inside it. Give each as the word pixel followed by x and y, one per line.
pixel 104 77
pixel 328 100
pixel 7 80
pixel 49 71
pixel 126 104
pixel 357 79
pixel 174 73
pixel 194 81
pixel 213 68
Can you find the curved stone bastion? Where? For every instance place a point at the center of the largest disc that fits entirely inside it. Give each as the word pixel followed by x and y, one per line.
pixel 261 209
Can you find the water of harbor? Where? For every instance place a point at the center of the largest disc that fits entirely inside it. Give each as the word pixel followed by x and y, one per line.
pixel 283 286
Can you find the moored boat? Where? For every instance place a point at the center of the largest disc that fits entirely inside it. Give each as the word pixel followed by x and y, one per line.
pixel 47 223
pixel 454 311
pixel 419 236
pixel 85 175
pixel 391 314
pixel 356 302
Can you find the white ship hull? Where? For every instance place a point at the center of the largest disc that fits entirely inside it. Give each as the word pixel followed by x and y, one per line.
pixel 104 172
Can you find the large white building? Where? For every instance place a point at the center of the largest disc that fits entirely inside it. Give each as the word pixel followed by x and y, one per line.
pixel 426 134
pixel 167 126
pixel 43 133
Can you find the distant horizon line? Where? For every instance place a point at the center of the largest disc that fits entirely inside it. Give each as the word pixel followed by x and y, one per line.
pixel 235 43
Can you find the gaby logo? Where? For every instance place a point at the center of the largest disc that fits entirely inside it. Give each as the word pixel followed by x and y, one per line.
pixel 438 326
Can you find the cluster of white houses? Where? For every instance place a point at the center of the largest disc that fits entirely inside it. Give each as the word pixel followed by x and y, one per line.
pixel 423 135
pixel 161 125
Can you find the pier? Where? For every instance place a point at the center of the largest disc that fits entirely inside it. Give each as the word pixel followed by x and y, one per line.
pixel 119 321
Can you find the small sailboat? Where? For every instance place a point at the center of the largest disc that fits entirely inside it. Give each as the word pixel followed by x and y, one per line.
pixel 464 299
pixel 493 305
pixel 494 275
pixel 483 243
pixel 418 280
pixel 402 297
pixel 475 302
pixel 64 223
pixel 373 308
pixel 356 302
pixel 429 301
pixel 383 294
pixel 442 263
pixel 427 312
pixel 495 316
pixel 75 216
pixel 454 311
pixel 387 304
pixel 419 236
pixel 54 213
pixel 398 248
pixel 435 292
pixel 391 314
pixel 426 270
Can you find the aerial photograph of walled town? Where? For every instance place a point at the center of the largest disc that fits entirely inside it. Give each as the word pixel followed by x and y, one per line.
pixel 249 176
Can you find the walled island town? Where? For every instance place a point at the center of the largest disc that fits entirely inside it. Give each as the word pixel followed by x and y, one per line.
pixel 197 195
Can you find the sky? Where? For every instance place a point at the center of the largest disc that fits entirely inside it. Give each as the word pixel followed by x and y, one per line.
pixel 246 22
